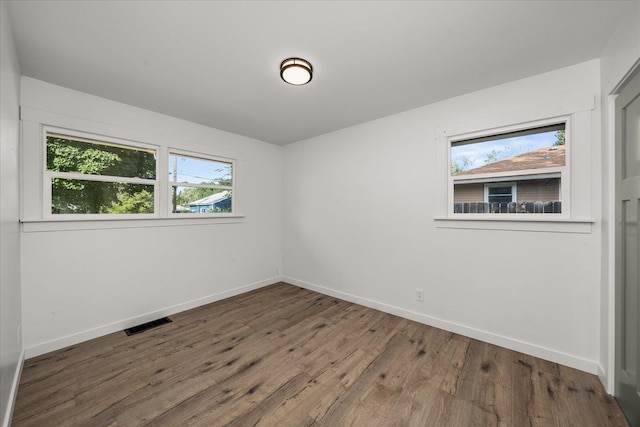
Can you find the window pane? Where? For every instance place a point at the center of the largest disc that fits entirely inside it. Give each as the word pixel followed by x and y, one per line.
pixel 529 149
pixel 631 148
pixel 68 154
pixel 500 190
pixel 71 196
pixel 201 200
pixel 531 196
pixel 500 194
pixel 184 169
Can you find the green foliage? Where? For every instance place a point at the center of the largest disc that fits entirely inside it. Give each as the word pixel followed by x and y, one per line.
pixel 192 194
pixel 80 196
pixel 141 202
pixel 466 163
pixel 491 157
pixel 457 168
pixel 91 197
pixel 559 138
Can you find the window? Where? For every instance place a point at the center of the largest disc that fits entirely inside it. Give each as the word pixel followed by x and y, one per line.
pixel 85 176
pixel 514 171
pixel 200 185
pixel 94 177
pixel 499 193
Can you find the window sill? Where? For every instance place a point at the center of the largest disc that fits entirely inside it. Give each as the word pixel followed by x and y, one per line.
pixel 515 223
pixel 31 226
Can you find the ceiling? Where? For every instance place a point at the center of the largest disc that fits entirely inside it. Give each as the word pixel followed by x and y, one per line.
pixel 217 62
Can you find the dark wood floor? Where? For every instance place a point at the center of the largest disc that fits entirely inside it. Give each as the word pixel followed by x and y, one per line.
pixel 285 356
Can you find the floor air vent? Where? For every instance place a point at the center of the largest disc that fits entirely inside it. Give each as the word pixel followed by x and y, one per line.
pixel 146 326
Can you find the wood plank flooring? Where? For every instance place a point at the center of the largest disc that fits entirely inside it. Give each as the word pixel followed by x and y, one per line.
pixel 286 356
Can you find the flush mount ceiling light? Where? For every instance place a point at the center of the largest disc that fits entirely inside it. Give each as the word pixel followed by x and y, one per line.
pixel 296 71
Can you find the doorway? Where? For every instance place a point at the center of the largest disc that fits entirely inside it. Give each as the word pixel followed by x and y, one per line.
pixel 627 301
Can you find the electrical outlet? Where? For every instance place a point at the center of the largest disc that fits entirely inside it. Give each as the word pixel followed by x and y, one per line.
pixel 420 295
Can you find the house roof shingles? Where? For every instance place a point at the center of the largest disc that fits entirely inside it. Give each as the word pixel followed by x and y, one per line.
pixel 546 157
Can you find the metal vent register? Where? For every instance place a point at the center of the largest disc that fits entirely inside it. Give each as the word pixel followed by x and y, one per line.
pixel 146 326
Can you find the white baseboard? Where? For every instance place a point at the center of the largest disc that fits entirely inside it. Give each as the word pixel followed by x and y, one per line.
pixel 589 366
pixel 13 393
pixel 491 338
pixel 58 343
pixel 606 380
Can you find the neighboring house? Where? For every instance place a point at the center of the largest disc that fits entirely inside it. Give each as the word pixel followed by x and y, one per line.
pixel 543 187
pixel 219 202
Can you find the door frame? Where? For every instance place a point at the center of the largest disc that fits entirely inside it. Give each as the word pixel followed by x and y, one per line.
pixel 607 373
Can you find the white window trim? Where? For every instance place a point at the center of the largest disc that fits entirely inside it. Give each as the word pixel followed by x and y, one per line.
pixel 195 155
pixel 48 175
pixel 575 219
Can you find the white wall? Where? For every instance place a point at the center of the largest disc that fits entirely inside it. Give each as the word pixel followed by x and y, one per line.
pixel 359 207
pixel 80 282
pixel 618 59
pixel 11 354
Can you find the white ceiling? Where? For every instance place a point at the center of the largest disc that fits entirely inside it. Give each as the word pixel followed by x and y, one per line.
pixel 217 62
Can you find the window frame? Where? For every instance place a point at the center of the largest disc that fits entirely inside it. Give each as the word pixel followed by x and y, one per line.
pixel 48 176
pixel 201 156
pixel 564 172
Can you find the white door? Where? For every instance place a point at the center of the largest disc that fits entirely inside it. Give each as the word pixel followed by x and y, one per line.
pixel 627 387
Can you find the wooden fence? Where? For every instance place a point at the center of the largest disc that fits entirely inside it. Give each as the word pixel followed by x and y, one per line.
pixel 508 207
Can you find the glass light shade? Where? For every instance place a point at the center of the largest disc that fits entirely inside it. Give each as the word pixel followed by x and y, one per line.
pixel 296 71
